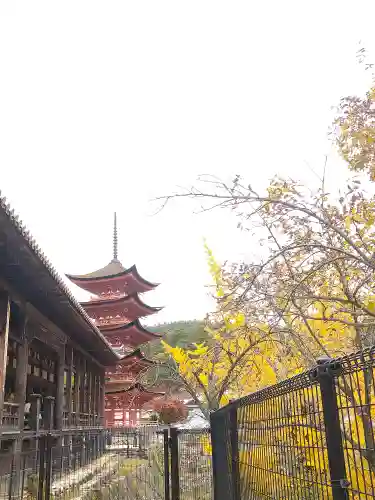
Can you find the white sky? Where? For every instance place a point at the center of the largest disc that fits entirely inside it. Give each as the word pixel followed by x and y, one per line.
pixel 104 105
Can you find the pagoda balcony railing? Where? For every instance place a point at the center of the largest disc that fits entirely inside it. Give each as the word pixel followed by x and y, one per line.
pixel 126 377
pixel 113 321
pixel 118 343
pixel 81 420
pixel 108 295
pixel 10 420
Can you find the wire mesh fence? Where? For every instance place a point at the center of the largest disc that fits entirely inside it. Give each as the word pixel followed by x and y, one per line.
pixel 144 463
pixel 279 440
pixel 195 464
pixel 117 463
pixel 88 465
pixel 309 437
pixel 356 408
pixel 18 465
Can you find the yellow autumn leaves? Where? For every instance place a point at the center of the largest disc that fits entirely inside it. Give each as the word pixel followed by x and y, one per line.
pixel 356 132
pixel 242 356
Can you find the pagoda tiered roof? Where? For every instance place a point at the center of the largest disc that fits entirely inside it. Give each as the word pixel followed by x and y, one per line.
pixel 116 384
pixel 133 359
pixel 114 276
pixel 135 395
pixel 137 357
pixel 122 375
pixel 132 334
pixel 127 308
pixel 116 308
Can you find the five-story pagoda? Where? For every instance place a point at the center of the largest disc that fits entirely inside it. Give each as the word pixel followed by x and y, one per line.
pixel 115 307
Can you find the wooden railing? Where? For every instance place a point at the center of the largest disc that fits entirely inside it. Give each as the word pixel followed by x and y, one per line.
pixel 81 420
pixel 33 419
pixel 10 419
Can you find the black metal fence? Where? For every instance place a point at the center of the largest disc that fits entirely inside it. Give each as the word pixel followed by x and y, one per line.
pixel 85 465
pixel 145 463
pixel 308 437
pixel 191 469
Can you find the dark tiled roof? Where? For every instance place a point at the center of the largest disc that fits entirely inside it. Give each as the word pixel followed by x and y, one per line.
pixel 112 270
pixel 105 329
pixel 137 353
pixel 136 387
pixel 26 264
pixel 93 304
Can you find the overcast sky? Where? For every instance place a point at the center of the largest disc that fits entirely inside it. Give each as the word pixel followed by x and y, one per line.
pixel 105 105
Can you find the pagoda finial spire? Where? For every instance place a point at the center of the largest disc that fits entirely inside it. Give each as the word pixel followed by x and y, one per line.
pixel 115 242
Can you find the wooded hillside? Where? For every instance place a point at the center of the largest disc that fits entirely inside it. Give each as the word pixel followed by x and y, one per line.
pixel 178 334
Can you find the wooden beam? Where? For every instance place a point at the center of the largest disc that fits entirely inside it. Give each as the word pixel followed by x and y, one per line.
pixel 33 313
pixel 76 386
pixel 36 316
pixel 21 371
pixel 59 403
pixel 96 393
pixel 101 408
pixel 16 297
pixel 90 391
pixel 4 333
pixel 69 393
pixel 83 386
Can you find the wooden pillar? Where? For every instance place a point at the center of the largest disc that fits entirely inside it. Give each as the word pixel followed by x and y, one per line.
pixel 102 398
pixel 49 410
pixel 93 393
pixel 76 388
pixel 80 391
pixel 97 396
pixel 90 394
pixel 69 393
pixel 36 404
pixel 83 390
pixel 59 407
pixel 4 332
pixel 20 393
pixel 21 372
pixel 16 488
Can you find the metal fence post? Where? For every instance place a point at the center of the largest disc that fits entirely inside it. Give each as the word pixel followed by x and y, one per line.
pixel 234 453
pixel 48 466
pixel 325 373
pixel 175 478
pixel 225 465
pixel 166 465
pixel 41 443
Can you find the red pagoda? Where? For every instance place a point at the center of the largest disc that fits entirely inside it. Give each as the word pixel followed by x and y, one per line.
pixel 115 307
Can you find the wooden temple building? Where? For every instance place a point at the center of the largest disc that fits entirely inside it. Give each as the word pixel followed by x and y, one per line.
pixel 52 356
pixel 115 307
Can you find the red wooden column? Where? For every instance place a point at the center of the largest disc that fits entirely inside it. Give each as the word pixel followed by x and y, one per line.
pixel 4 332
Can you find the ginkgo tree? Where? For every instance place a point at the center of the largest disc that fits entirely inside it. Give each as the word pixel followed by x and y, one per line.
pixel 311 292
pixel 218 370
